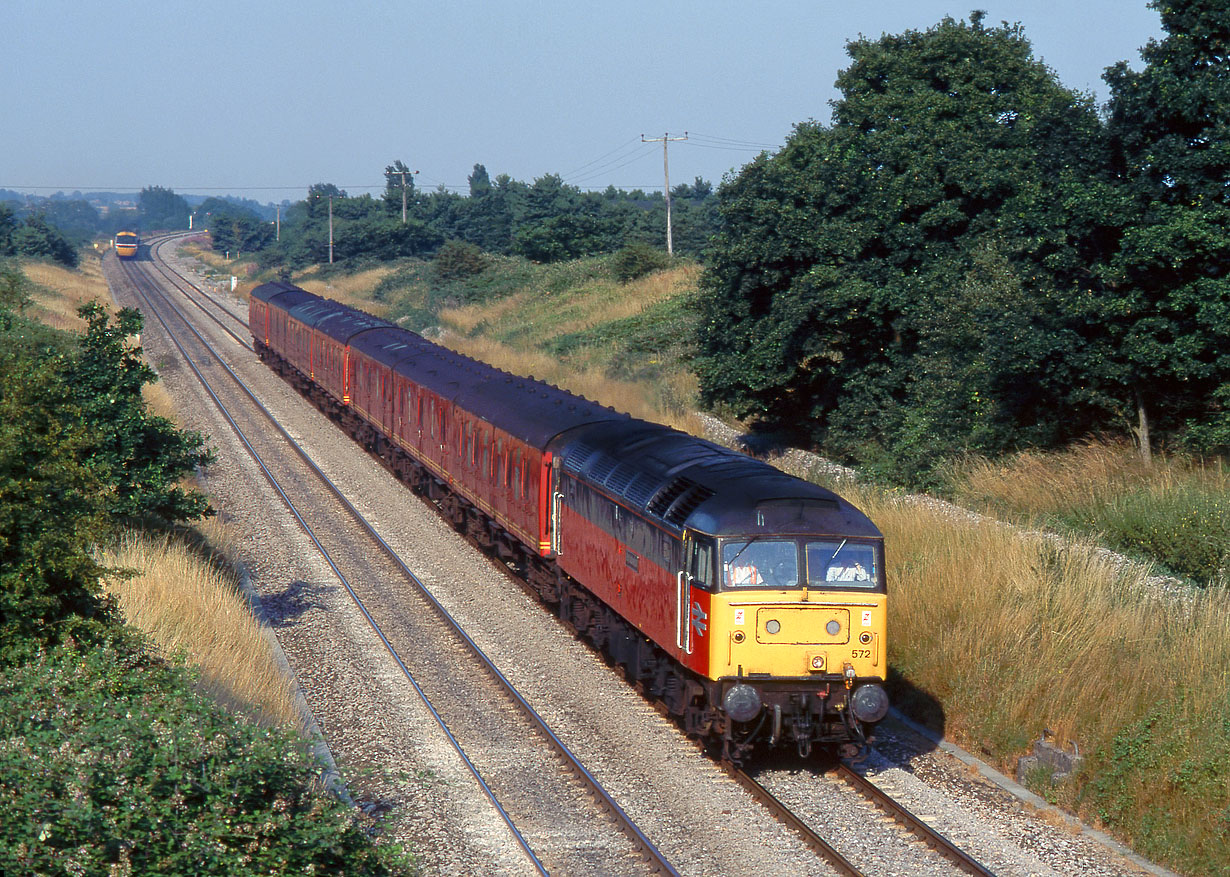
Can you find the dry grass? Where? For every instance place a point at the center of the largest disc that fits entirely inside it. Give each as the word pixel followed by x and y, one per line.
pixel 999 634
pixel 512 333
pixel 1048 483
pixel 350 289
pixel 1175 511
pixel 995 622
pixel 576 310
pixel 192 606
pixel 63 290
pixel 638 399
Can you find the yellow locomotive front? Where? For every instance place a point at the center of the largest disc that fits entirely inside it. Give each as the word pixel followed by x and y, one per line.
pixel 127 244
pixel 796 634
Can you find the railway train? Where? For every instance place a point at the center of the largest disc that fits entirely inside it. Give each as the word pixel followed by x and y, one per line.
pixel 126 244
pixel 750 603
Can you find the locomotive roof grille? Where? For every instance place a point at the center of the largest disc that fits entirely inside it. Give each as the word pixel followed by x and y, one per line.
pixel 640 491
pixel 619 479
pixel 661 502
pixel 686 504
pixel 602 469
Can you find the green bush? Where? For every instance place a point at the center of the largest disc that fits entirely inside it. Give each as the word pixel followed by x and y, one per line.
pixel 111 763
pixel 1185 528
pixel 637 260
pixel 1155 778
pixel 458 260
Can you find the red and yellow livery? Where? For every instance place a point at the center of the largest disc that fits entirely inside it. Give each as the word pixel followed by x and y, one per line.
pixel 751 603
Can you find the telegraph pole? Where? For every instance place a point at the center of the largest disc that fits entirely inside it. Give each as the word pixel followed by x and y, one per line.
pixel 330 229
pixel 403 193
pixel 666 173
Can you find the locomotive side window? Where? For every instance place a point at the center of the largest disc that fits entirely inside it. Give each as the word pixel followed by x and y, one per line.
pixel 841 563
pixel 700 565
pixel 771 563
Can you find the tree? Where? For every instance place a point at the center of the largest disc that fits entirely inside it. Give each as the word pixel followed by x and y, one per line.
pixel 480 183
pixel 850 287
pixel 52 509
pixel 1165 317
pixel 159 208
pixel 8 224
pixel 36 239
pixel 14 288
pixel 142 455
pixel 237 231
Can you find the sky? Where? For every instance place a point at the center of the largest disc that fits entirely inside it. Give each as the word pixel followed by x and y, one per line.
pixel 262 98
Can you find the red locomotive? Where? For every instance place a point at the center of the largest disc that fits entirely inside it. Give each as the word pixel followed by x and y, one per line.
pixel 751 603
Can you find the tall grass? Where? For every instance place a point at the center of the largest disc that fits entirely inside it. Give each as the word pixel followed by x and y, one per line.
pixel 186 598
pixel 1000 634
pixel 350 289
pixel 60 291
pixel 191 604
pixel 623 345
pixel 1175 511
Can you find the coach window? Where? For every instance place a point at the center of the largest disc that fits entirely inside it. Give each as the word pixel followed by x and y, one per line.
pixel 516 473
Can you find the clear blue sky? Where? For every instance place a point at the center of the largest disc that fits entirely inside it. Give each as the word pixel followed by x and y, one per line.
pixel 261 99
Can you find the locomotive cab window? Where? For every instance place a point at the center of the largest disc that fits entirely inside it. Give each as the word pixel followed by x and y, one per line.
pixel 768 563
pixel 843 564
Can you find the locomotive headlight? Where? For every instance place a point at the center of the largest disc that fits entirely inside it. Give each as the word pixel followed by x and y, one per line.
pixel 833 627
pixel 742 703
pixel 869 703
pixel 773 626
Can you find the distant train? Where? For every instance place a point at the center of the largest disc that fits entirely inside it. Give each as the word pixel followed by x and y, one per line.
pixel 126 244
pixel 749 602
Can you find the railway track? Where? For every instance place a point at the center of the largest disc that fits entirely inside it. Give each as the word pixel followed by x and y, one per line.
pixel 827 851
pixel 571 785
pixel 830 852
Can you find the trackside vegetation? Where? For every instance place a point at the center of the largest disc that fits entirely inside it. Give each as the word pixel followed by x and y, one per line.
pixel 112 759
pixel 971 259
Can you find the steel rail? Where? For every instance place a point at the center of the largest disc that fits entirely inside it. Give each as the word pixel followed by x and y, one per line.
pixel 787 817
pixel 642 844
pixel 307 529
pixel 176 279
pixel 922 830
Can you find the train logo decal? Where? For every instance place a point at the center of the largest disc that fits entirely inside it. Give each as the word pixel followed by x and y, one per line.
pixel 698 619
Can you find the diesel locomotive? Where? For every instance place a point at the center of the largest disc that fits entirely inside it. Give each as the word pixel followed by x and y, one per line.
pixel 126 244
pixel 750 603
